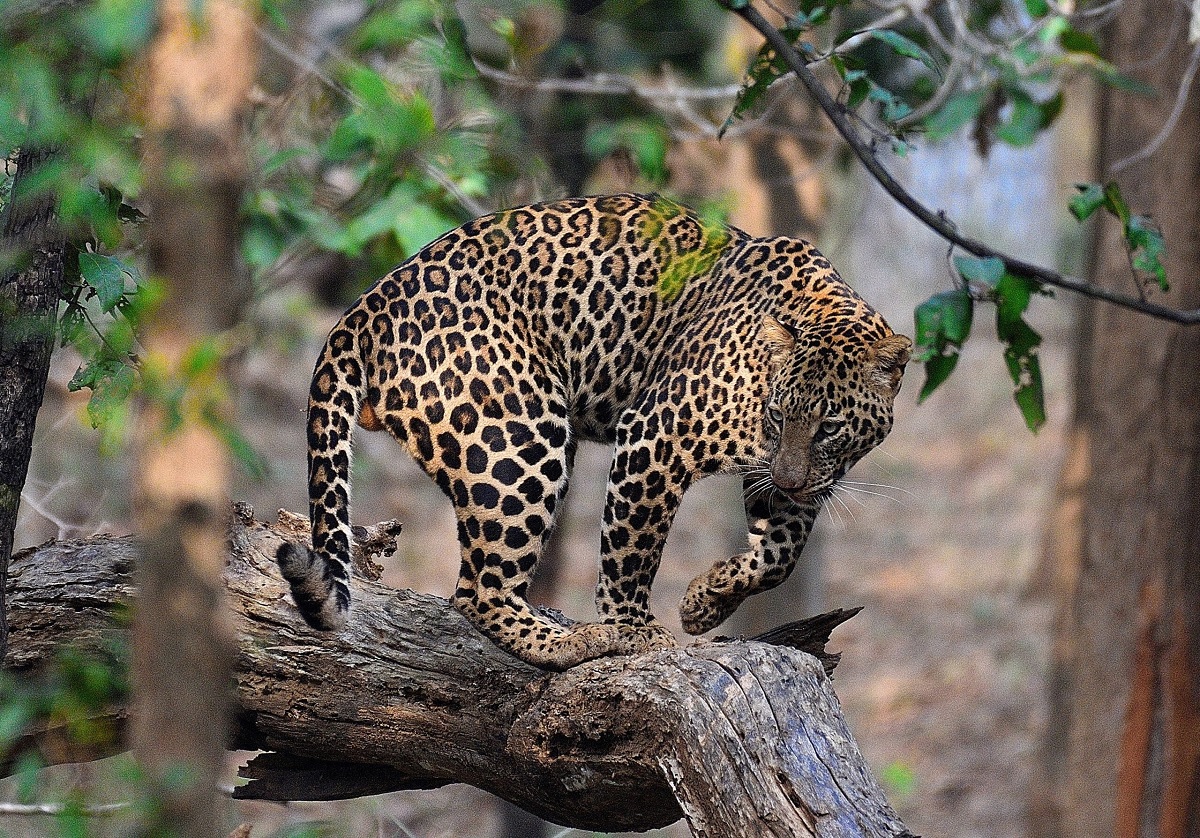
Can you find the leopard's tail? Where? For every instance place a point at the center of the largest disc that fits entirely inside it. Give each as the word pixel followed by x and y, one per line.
pixel 320 576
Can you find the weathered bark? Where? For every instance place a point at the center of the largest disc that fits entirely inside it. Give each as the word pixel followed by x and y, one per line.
pixel 28 312
pixel 200 70
pixel 1122 754
pixel 742 738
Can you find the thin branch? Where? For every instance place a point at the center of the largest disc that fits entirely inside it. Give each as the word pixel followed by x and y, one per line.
pixel 43 809
pixel 936 221
pixel 1161 137
pixel 607 84
pixel 865 34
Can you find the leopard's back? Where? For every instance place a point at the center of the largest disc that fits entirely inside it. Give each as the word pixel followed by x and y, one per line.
pixel 584 292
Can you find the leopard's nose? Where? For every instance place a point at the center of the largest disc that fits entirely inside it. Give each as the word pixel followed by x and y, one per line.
pixel 796 493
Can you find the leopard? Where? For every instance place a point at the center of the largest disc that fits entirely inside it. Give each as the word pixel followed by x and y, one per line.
pixel 687 345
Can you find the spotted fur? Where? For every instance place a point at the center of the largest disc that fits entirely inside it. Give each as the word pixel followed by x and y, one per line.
pixel 689 347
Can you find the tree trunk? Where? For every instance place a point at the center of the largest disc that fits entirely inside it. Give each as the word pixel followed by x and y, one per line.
pixel 742 739
pixel 28 313
pixel 1122 754
pixel 201 67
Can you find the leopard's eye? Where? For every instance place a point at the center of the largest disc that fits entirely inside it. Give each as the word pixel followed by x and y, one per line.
pixel 827 429
pixel 775 414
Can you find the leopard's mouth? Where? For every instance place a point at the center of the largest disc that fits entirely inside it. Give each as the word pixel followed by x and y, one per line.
pixel 803 494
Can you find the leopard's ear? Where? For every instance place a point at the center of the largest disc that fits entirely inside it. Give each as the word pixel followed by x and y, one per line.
pixel 779 336
pixel 888 357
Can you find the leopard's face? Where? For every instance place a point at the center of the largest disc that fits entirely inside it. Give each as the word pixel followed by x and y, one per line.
pixel 831 398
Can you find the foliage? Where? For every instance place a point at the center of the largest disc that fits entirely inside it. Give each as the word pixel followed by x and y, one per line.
pixel 368 159
pixel 366 166
pixel 71 697
pixel 1142 236
pixel 59 89
pixel 1000 70
pixel 943 323
pixel 74 690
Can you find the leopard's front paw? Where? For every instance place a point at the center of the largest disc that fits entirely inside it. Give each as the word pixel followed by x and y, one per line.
pixel 702 610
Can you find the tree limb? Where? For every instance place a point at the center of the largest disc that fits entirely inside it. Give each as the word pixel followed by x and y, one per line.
pixel 936 221
pixel 741 738
pixel 28 316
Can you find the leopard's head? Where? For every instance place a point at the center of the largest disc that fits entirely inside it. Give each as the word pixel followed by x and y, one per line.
pixel 834 380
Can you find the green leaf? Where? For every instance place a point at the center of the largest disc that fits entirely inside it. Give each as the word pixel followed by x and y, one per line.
pixel 943 323
pixel 262 243
pixel 860 88
pixel 369 86
pixel 1024 121
pixel 1148 248
pixel 1115 202
pixel 420 225
pixel 937 370
pixel 278 160
pixel 456 52
pixel 1020 341
pixel 1053 29
pixel 906 47
pixel 15 714
pixel 944 317
pixel 1030 397
pixel 959 110
pixel 892 108
pixel 764 69
pixel 645 141
pixel 1090 198
pixel 105 274
pixel 116 28
pixel 1037 8
pixel 974 269
pixel 1012 297
pixel 900 780
pixel 274 13
pixel 1051 108
pixel 1072 40
pixel 1114 78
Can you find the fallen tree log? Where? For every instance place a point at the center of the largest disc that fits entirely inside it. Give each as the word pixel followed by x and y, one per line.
pixel 741 738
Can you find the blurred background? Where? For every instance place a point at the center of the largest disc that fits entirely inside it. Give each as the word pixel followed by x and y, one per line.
pixel 943 673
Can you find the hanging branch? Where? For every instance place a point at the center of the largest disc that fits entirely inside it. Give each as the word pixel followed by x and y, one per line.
pixel 936 221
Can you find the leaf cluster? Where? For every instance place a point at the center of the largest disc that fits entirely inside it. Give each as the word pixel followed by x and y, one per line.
pixel 368 157
pixel 73 697
pixel 943 324
pixel 1004 76
pixel 383 153
pixel 1143 238
pixel 1002 69
pixel 61 89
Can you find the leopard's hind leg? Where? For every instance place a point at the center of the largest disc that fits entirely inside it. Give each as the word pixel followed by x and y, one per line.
pixel 506 472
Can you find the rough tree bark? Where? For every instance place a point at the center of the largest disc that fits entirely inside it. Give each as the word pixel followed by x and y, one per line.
pixel 200 70
pixel 1122 753
pixel 28 313
pixel 743 739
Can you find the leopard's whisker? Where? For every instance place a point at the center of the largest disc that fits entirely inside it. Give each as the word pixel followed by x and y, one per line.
pixel 860 491
pixel 835 496
pixel 849 483
pixel 834 515
pixel 841 493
